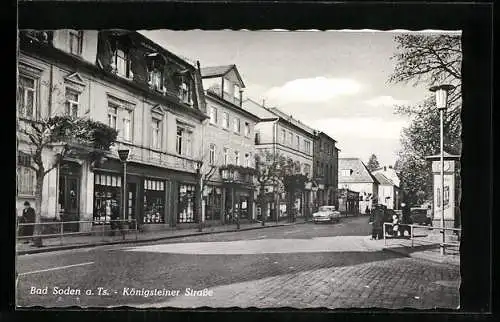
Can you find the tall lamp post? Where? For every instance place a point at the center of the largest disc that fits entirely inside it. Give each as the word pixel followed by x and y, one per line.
pixel 441 93
pixel 123 154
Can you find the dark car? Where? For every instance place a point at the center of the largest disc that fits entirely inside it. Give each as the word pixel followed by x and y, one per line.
pixel 419 217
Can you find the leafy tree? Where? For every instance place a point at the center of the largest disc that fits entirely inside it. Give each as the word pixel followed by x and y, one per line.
pixel 427 60
pixel 373 163
pixel 61 136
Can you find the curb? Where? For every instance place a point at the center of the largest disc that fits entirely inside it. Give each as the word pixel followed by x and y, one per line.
pixel 67 247
pixel 410 255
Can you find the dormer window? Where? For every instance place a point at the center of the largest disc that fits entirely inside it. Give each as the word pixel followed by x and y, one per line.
pixel 121 62
pixel 185 93
pixel 75 42
pixel 155 72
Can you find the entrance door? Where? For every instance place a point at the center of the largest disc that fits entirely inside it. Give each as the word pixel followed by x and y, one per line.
pixel 69 201
pixel 132 201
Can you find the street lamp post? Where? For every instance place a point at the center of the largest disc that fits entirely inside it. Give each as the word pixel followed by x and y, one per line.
pixel 123 154
pixel 441 92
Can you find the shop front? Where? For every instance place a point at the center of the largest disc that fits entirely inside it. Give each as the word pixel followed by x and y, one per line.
pixel 238 202
pixel 156 197
pixel 213 204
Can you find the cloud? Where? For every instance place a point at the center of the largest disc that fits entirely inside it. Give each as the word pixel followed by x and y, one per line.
pixel 312 90
pixel 384 101
pixel 361 127
pixel 362 136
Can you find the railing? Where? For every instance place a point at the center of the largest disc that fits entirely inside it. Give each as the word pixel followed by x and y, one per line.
pixel 413 237
pixel 131 227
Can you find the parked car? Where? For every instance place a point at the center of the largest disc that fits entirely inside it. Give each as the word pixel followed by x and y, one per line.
pixel 419 216
pixel 326 214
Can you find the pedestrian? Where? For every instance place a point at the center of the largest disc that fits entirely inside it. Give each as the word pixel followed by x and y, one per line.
pixel 405 219
pixel 367 211
pixel 377 220
pixel 115 216
pixel 395 226
pixel 28 218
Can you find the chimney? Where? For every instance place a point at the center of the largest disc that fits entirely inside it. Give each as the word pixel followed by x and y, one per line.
pixel 385 168
pixel 263 103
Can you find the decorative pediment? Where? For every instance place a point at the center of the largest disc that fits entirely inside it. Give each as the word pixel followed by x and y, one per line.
pixel 75 79
pixel 29 69
pixel 158 109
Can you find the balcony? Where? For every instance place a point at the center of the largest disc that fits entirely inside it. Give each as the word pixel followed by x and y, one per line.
pixel 237 174
pixel 155 158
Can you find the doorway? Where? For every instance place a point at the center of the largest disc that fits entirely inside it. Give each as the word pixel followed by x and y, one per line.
pixel 69 195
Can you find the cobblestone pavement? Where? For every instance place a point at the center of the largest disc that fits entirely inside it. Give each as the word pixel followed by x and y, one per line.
pixel 331 266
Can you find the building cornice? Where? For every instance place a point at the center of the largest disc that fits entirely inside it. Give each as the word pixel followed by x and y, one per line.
pixel 231 106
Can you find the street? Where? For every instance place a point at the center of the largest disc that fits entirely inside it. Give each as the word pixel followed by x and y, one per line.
pixel 300 266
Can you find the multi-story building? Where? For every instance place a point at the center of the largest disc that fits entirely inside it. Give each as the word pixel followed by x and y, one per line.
pixel 151 96
pixel 283 135
pixel 355 176
pixel 228 142
pixel 325 169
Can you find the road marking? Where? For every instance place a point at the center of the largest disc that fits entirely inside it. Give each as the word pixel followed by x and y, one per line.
pixel 56 268
pixel 291 232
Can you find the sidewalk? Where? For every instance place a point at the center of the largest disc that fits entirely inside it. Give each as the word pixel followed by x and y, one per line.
pixel 73 242
pixel 421 249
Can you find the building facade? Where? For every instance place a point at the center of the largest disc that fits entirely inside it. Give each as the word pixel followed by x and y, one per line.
pixel 355 176
pixel 151 96
pixel 228 142
pixel 285 136
pixel 389 193
pixel 325 169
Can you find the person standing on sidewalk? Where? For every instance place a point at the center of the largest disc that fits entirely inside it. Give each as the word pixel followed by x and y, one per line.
pixel 115 216
pixel 377 220
pixel 28 217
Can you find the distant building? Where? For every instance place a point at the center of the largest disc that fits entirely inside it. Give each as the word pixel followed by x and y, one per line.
pixel 388 193
pixel 355 176
pixel 390 173
pixel 325 169
pixel 283 135
pixel 348 201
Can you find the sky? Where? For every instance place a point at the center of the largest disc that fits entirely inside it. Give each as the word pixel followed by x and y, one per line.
pixel 333 81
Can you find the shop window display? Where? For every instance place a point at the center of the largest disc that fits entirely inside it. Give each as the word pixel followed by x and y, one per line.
pixel 107 189
pixel 186 204
pixel 154 202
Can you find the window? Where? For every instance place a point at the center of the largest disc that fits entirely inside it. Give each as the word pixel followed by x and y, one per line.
pixel 112 112
pixel 237 158
pixel 227 87
pixel 156 79
pixel 247 129
pixel 27 97
pixel 297 143
pixel 156 133
pixel 75 42
pixel 154 202
pixel 307 169
pixel 213 115
pixel 237 125
pixel 122 63
pixel 72 101
pixel 346 172
pixel 184 93
pixel 186 203
pixel 225 120
pixel 283 134
pixel 307 146
pixel 212 154
pixel 127 125
pixel 26 176
pixel 247 159
pixel 236 92
pixel 184 141
pixel 226 156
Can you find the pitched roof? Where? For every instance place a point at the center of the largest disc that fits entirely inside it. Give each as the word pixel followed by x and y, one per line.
pixel 359 172
pixel 292 120
pixel 383 180
pixel 220 71
pixel 215 71
pixel 257 109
